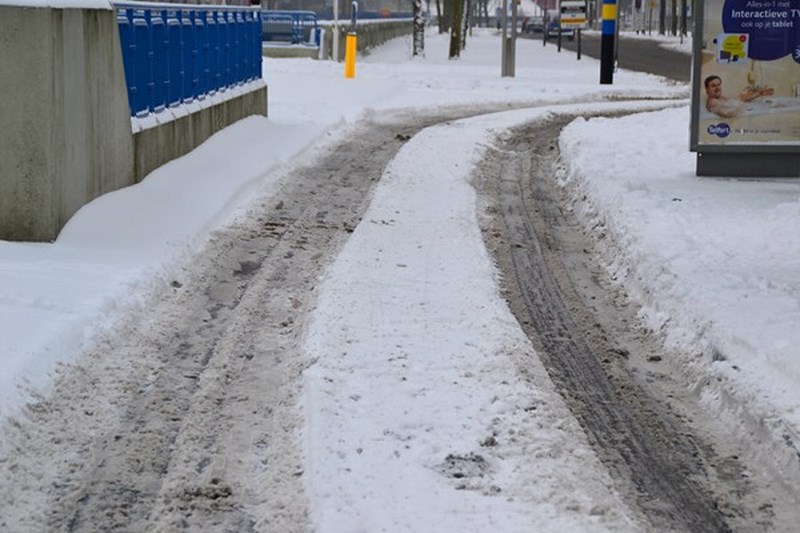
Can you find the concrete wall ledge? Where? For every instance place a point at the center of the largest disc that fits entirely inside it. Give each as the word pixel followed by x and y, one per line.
pixel 279 51
pixel 159 138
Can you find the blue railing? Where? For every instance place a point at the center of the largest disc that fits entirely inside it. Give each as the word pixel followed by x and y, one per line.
pixel 176 53
pixel 295 27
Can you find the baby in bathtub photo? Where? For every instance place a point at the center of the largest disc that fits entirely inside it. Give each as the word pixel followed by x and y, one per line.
pixel 725 106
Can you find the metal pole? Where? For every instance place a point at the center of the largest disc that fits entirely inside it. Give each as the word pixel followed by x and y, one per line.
pixel 558 39
pixel 684 7
pixel 512 60
pixel 546 19
pixel 616 40
pixel 607 37
pixel 351 43
pixel 336 30
pixel 350 46
pixel 505 49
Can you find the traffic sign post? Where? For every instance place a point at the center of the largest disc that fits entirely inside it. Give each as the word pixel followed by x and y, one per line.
pixel 607 35
pixel 572 15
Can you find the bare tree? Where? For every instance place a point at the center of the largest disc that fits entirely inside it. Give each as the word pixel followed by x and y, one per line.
pixel 674 17
pixel 481 15
pixel 441 16
pixel 456 26
pixel 419 28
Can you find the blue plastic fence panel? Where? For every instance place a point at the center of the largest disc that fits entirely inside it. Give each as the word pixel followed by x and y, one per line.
pixel 236 37
pixel 212 34
pixel 220 75
pixel 234 58
pixel 224 49
pixel 143 63
pixel 128 55
pixel 259 56
pixel 203 43
pixel 158 53
pixel 242 42
pixel 255 35
pixel 245 58
pixel 233 25
pixel 187 56
pixel 176 54
pixel 174 46
pixel 247 45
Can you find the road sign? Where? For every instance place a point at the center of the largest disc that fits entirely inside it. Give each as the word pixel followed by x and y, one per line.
pixel 572 13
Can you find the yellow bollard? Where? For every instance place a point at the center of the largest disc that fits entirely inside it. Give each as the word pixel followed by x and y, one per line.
pixel 350 55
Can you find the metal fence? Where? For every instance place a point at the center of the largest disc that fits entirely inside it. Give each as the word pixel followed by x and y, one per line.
pixel 176 54
pixel 295 27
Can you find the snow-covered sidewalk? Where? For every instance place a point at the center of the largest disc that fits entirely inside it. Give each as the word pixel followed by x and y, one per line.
pixel 714 262
pixel 428 409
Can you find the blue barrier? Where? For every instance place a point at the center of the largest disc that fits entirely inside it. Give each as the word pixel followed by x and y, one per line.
pixel 295 27
pixel 176 53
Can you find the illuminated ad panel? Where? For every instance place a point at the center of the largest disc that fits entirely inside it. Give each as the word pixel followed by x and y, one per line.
pixel 746 77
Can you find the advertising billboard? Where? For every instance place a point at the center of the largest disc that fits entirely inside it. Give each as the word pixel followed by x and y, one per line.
pixel 746 76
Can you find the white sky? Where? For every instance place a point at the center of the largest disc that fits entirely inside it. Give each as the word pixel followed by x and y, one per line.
pixel 714 262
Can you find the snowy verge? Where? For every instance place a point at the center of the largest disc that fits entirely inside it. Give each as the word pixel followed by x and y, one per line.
pixel 712 262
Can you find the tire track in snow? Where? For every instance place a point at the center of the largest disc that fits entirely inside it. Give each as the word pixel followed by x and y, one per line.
pixel 681 474
pixel 184 416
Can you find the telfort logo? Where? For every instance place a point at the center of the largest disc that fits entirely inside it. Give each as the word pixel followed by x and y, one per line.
pixel 720 130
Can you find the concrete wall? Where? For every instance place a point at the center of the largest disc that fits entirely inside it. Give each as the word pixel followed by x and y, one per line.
pixel 65 132
pixel 281 51
pixel 66 135
pixel 370 34
pixel 160 144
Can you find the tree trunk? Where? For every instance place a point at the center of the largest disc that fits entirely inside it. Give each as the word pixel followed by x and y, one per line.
pixel 440 16
pixel 419 29
pixel 457 15
pixel 674 14
pixel 467 23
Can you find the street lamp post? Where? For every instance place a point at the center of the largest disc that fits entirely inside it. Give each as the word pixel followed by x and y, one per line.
pixel 507 59
pixel 336 30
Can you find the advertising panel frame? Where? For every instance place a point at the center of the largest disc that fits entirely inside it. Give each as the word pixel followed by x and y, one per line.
pixel 737 132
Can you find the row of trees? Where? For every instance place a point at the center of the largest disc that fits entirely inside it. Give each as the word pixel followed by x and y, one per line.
pixel 453 16
pixel 457 16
